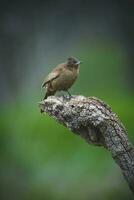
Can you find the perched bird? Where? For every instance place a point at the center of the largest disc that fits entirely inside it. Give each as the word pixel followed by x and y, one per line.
pixel 62 77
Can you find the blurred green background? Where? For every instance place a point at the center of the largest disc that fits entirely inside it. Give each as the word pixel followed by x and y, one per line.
pixel 40 159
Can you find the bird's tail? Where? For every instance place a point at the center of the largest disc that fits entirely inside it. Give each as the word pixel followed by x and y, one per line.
pixel 48 93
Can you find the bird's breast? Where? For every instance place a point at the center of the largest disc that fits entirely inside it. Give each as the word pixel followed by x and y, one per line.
pixel 65 80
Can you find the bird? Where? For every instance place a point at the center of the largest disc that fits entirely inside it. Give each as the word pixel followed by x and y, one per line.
pixel 62 77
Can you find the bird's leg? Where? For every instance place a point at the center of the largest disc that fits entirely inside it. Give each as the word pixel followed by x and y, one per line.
pixel 69 94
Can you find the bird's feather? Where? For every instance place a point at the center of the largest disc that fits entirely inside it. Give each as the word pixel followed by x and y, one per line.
pixel 53 75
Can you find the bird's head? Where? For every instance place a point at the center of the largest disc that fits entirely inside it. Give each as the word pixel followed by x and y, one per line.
pixel 73 62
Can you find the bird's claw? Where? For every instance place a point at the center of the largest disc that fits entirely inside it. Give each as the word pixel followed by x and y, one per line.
pixel 67 97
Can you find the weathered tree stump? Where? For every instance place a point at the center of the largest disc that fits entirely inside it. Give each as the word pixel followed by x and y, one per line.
pixel 94 120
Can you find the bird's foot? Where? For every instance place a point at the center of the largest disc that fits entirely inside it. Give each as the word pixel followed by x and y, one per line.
pixel 67 97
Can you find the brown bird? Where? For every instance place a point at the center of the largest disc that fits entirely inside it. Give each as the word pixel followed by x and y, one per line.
pixel 62 77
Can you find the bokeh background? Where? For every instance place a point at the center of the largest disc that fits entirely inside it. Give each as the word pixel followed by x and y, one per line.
pixel 40 159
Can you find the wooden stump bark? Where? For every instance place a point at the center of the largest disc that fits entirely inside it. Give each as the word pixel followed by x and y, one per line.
pixel 94 121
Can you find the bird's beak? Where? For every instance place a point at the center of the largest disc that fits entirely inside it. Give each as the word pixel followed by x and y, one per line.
pixel 78 63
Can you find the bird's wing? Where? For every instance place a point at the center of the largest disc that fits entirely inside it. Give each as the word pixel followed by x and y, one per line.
pixel 53 75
